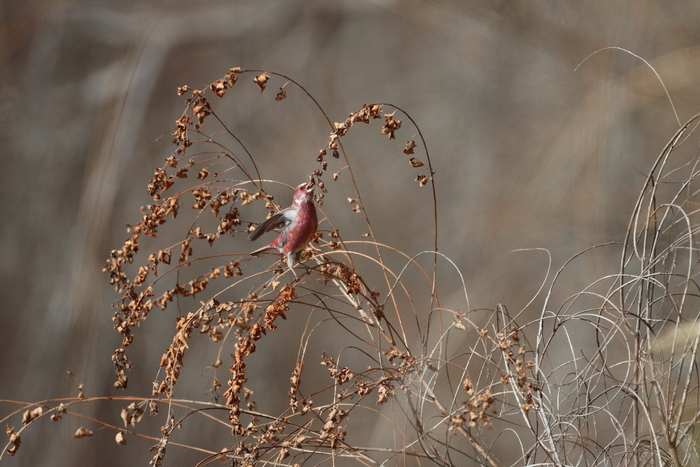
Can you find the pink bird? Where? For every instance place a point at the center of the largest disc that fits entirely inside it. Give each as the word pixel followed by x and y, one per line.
pixel 298 222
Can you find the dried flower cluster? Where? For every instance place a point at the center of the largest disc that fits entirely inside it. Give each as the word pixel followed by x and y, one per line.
pixel 476 410
pixel 519 368
pixel 366 114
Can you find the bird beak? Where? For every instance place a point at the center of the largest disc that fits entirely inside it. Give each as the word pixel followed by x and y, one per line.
pixel 310 187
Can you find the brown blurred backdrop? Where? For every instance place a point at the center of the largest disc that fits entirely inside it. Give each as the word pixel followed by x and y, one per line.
pixel 528 152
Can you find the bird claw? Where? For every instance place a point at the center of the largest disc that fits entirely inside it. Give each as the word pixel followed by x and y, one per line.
pixel 308 271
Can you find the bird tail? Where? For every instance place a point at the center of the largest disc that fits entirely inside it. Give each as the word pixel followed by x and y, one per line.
pixel 262 250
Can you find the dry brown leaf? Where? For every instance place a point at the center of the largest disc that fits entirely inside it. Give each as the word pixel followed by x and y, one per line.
pixel 410 144
pixel 415 162
pixel 82 433
pixel 260 80
pixel 30 415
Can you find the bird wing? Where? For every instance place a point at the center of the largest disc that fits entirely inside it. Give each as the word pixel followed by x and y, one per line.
pixel 273 222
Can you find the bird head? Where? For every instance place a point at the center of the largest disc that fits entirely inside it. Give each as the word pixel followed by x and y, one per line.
pixel 304 193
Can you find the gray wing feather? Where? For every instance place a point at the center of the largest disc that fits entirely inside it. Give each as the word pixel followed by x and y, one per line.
pixel 273 222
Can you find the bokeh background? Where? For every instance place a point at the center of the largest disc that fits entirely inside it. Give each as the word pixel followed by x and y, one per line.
pixel 529 150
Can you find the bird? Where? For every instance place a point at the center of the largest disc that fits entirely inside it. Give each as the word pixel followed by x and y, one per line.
pixel 298 223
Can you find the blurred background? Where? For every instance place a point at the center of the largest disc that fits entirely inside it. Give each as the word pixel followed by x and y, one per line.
pixel 529 150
